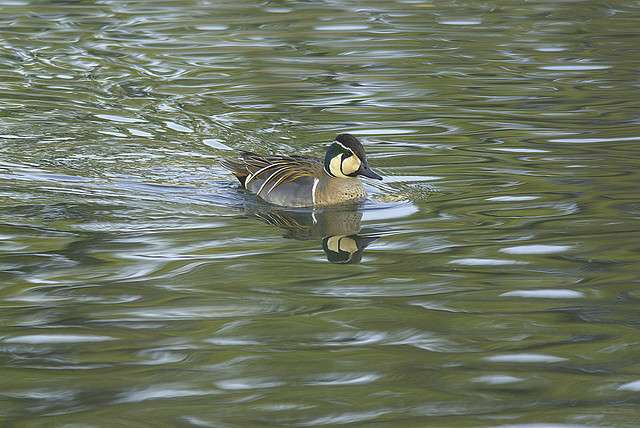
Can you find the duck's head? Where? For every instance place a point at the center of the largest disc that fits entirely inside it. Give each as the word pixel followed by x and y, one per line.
pixel 345 158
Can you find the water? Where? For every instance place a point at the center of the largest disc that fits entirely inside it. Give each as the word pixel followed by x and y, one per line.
pixel 490 280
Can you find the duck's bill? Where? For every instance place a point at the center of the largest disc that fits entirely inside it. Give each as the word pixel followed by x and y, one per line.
pixel 367 172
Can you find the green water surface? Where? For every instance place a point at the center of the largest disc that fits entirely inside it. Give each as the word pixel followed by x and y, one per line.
pixel 493 276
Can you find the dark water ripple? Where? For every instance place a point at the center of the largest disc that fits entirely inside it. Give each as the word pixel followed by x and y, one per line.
pixel 497 285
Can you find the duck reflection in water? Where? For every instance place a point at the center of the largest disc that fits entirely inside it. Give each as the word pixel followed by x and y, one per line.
pixel 343 241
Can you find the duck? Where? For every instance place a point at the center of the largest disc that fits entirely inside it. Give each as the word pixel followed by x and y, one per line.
pixel 306 181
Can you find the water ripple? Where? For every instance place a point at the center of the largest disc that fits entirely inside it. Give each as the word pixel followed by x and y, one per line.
pixel 500 271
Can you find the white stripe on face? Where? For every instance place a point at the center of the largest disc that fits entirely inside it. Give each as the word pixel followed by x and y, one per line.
pixel 347 149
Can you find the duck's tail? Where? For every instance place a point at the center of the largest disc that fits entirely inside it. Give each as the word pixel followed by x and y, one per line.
pixel 237 168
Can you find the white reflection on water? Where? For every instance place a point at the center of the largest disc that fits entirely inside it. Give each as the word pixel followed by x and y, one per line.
pixel 536 249
pixel 384 131
pixel 344 379
pixel 524 358
pixel 177 127
pixel 390 211
pixel 216 143
pixel 57 338
pixel 575 67
pixel 248 383
pixel 593 140
pixel 341 27
pixel 513 198
pixel 631 386
pixel 118 118
pixel 460 21
pixel 486 262
pixel 159 392
pixel 547 425
pixel 344 418
pixel 497 379
pixel 545 294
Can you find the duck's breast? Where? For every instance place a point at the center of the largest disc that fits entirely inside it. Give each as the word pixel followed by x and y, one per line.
pixel 339 190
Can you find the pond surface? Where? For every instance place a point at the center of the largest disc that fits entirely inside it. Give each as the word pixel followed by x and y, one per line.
pixel 492 278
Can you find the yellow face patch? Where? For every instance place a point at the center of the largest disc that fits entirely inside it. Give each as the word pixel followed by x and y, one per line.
pixel 342 168
pixel 350 165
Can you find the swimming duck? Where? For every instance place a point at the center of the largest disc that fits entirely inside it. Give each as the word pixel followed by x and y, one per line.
pixel 304 181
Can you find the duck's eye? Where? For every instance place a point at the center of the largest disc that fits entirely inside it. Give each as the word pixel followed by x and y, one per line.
pixel 346 155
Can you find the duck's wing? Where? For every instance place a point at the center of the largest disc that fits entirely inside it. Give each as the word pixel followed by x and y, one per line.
pixel 273 170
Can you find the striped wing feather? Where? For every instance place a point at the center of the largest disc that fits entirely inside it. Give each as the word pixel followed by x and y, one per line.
pixel 276 170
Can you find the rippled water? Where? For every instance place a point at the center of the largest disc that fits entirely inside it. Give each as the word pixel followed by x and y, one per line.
pixel 490 280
